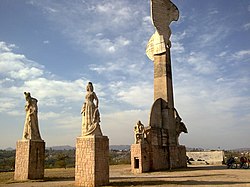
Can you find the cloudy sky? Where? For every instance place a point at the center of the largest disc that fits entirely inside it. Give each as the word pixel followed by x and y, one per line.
pixel 53 48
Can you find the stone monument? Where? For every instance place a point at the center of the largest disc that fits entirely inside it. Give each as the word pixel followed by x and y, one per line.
pixel 92 148
pixel 158 147
pixel 30 151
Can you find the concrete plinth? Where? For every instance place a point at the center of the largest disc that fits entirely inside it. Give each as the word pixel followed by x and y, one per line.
pixel 30 155
pixel 146 158
pixel 178 158
pixel 92 161
pixel 140 158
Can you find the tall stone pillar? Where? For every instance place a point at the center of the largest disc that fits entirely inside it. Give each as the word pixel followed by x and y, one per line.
pixel 30 150
pixel 163 88
pixel 92 148
pixel 161 147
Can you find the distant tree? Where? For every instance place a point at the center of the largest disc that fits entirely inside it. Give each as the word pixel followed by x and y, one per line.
pixel 61 161
pixel 7 160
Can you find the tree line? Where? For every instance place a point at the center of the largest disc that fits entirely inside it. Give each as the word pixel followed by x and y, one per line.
pixel 60 158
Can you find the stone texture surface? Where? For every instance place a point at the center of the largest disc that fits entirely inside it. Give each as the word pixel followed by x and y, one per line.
pixel 161 146
pixel 30 155
pixel 178 157
pixel 90 113
pixel 209 157
pixel 31 127
pixel 163 12
pixel 140 162
pixel 92 161
pixel 145 157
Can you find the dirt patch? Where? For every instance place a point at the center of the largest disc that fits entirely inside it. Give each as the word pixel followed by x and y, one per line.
pixel 120 175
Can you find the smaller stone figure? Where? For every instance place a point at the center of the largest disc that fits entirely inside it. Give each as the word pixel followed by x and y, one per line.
pixel 139 132
pixel 31 130
pixel 90 113
pixel 180 126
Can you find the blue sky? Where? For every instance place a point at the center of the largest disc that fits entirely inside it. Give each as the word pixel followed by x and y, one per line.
pixel 53 48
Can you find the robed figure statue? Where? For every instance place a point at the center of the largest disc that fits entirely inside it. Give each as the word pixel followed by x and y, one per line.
pixel 31 129
pixel 90 113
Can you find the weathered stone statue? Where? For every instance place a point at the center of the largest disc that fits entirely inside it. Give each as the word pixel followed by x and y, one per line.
pixel 139 132
pixel 30 150
pixel 31 129
pixel 160 147
pixel 92 148
pixel 163 12
pixel 90 113
pixel 180 126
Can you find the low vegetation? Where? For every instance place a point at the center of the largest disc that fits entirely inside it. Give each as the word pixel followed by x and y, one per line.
pixel 60 158
pixel 66 158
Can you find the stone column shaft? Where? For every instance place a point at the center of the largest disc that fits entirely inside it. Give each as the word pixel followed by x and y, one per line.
pixel 163 87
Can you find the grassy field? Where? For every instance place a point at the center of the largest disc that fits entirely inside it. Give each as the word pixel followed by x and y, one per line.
pixel 57 174
pixel 120 175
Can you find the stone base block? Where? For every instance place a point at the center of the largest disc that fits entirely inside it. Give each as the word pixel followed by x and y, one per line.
pixel 178 158
pixel 92 161
pixel 146 158
pixel 159 158
pixel 30 155
pixel 140 162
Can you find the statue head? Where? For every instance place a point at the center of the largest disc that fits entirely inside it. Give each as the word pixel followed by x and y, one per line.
pixel 27 96
pixel 90 87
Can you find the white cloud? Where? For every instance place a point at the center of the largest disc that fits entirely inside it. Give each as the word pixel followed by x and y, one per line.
pixel 212 12
pixel 118 10
pixel 138 96
pixel 7 104
pixel 92 18
pixel 201 63
pixel 6 47
pixel 222 54
pixel 242 54
pixel 108 67
pixel 46 41
pixel 17 66
pixel 210 38
pixel 19 74
pixel 65 91
pixel 246 26
pixel 26 73
pixel 49 115
pixel 52 10
pixel 179 36
pixel 177 48
pixel 211 107
pixel 114 124
pixel 121 41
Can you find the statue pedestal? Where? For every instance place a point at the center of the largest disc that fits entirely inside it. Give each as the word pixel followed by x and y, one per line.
pixel 92 161
pixel 30 155
pixel 145 157
pixel 178 158
pixel 140 158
